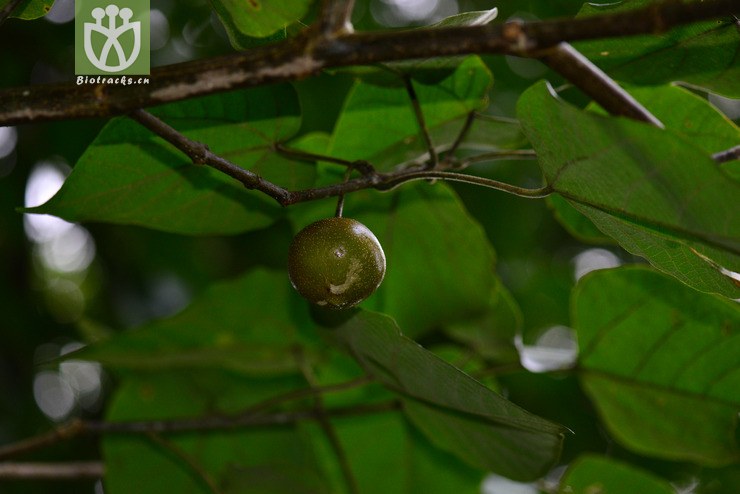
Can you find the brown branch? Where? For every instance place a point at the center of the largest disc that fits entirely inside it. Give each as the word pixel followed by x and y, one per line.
pixel 593 81
pixel 731 154
pixel 79 427
pixel 61 433
pixel 201 155
pixel 311 52
pixel 52 471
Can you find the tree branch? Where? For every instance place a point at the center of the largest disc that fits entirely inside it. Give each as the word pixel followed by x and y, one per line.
pixel 52 471
pixel 727 155
pixel 590 79
pixel 201 155
pixel 309 53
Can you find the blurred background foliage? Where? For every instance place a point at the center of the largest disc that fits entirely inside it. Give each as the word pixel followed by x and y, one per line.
pixel 64 285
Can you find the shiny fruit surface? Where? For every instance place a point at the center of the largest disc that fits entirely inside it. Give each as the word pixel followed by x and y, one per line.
pixel 336 262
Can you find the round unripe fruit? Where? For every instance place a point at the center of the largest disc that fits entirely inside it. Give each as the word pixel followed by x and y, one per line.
pixel 336 262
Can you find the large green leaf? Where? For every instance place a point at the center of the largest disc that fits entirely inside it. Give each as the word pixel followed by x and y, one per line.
pixel 456 412
pixel 378 124
pixel 440 264
pixel 259 18
pixel 492 335
pixel 656 193
pixel 258 460
pixel 702 54
pixel 590 474
pixel 226 327
pixel 129 176
pixel 29 9
pixel 682 112
pixel 661 363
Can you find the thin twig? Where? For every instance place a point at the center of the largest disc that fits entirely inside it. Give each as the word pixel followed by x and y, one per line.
pixel 61 433
pixel 190 462
pixel 329 430
pixel 538 193
pixel 304 55
pixel 449 158
pixel 52 471
pixel 79 427
pixel 300 155
pixel 8 9
pixel 593 81
pixel 419 115
pixel 201 155
pixel 731 154
pixel 510 154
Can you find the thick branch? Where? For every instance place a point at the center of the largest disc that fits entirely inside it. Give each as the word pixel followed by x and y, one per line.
pixel 590 79
pixel 311 52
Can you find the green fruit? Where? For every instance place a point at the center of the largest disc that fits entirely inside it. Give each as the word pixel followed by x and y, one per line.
pixel 336 262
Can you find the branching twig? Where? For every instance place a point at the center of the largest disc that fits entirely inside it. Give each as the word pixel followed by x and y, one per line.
pixel 419 115
pixel 538 193
pixel 590 79
pixel 200 154
pixel 52 471
pixel 329 430
pixel 304 55
pixel 727 155
pixel 449 158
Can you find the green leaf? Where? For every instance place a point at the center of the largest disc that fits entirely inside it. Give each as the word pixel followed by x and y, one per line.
pixel 576 223
pixel 682 112
pixel 590 474
pixel 660 361
pixel 378 124
pixel 492 335
pixel 29 9
pixel 657 194
pixel 269 460
pixel 690 115
pixel 703 54
pixel 227 327
pixel 387 456
pixel 129 176
pixel 457 413
pixel 424 230
pixel 258 18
